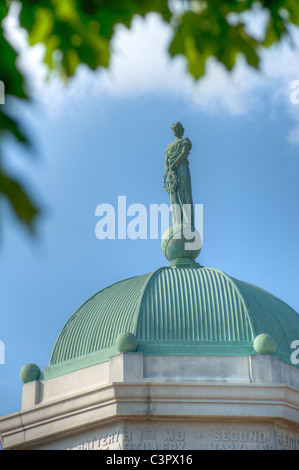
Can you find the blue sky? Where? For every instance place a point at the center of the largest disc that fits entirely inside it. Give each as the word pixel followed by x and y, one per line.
pixel 104 136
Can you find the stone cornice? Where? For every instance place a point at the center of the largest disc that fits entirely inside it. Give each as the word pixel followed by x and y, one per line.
pixel 117 401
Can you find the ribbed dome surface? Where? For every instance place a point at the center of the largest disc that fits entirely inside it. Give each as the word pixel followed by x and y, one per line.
pixel 178 311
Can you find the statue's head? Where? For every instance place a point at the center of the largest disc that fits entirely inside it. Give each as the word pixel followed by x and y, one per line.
pixel 177 129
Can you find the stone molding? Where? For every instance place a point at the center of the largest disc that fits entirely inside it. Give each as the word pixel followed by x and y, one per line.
pixel 271 394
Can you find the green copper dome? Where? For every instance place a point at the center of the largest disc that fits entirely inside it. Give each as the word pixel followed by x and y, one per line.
pixel 177 311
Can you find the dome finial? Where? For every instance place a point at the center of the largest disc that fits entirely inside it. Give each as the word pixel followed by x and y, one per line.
pixel 181 243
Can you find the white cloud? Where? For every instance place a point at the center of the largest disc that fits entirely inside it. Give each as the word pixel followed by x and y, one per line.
pixel 141 65
pixel 281 69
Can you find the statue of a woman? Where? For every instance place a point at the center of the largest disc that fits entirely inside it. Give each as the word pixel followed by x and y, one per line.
pixel 177 180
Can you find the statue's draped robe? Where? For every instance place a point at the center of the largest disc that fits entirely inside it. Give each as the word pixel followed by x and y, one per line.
pixel 183 193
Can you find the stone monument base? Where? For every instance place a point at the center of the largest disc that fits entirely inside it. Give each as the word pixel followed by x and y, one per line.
pixel 154 402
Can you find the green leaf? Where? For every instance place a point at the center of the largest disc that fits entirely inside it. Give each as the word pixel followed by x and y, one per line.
pixel 3 9
pixel 81 29
pixel 10 75
pixel 20 201
pixel 208 34
pixel 9 126
pixel 291 7
pixel 276 29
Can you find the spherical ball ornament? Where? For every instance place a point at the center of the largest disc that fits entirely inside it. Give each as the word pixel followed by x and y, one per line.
pixel 126 342
pixel 29 372
pixel 181 241
pixel 264 344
